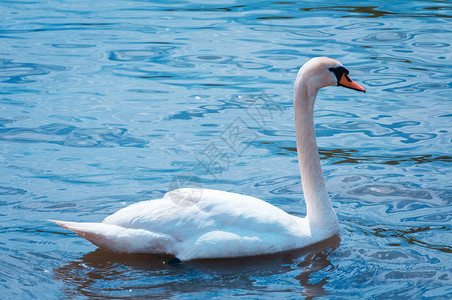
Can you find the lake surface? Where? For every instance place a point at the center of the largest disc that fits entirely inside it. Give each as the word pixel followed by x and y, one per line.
pixel 107 103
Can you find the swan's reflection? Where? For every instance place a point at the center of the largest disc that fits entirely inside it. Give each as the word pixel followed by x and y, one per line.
pixel 114 275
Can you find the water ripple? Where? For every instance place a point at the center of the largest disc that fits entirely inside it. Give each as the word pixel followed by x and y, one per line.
pixel 62 134
pixel 4 190
pixel 389 37
pixel 149 55
pixel 15 72
pixel 390 191
pixel 160 81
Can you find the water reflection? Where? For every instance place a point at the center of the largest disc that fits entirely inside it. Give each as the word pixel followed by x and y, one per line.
pixel 97 273
pixel 312 264
pixel 409 236
pixel 375 12
pixel 343 156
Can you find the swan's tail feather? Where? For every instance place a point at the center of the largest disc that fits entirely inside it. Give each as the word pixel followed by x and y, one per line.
pixel 121 239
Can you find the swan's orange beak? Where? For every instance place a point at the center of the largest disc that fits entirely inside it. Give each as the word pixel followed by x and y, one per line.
pixel 349 83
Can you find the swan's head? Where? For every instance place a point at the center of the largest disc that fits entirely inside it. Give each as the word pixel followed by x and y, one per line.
pixel 321 72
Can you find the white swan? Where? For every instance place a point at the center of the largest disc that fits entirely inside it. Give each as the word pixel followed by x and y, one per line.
pixel 222 224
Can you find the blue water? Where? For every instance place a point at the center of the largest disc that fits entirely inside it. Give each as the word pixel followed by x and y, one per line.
pixel 107 103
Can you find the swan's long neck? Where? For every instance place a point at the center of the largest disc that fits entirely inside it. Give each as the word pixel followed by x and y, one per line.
pixel 319 210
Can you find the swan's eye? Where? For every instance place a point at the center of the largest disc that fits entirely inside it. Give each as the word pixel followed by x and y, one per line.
pixel 338 72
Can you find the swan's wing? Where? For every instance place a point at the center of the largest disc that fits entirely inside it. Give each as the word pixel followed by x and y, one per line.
pixel 121 239
pixel 211 210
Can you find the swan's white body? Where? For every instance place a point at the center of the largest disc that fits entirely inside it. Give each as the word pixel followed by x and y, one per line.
pixel 221 224
pixel 218 224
